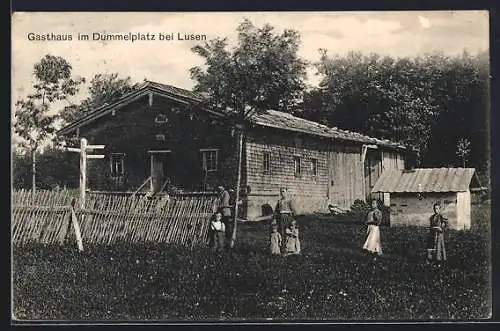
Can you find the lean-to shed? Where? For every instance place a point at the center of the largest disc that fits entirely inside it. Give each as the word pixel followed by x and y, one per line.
pixel 411 195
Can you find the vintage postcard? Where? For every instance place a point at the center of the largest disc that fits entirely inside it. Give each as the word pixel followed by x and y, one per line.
pixel 251 167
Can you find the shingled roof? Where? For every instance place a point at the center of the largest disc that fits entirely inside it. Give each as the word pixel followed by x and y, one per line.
pixel 285 121
pixel 271 118
pixel 174 90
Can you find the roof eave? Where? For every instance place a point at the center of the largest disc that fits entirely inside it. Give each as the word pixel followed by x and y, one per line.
pixel 358 141
pixel 133 96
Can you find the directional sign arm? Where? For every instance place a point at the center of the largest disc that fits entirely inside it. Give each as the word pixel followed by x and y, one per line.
pixel 95 156
pixel 96 146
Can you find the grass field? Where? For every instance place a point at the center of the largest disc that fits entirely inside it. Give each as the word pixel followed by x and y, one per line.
pixel 332 280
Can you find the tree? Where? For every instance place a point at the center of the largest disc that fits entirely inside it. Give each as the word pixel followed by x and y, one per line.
pixel 463 150
pixel 33 122
pixel 426 102
pixel 261 72
pixel 103 89
pixel 54 167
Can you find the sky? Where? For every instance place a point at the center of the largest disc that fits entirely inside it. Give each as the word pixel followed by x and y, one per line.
pixel 391 33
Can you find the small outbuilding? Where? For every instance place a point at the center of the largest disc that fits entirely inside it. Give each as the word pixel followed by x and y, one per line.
pixel 412 193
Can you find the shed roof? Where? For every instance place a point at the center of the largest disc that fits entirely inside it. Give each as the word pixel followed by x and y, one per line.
pixel 425 180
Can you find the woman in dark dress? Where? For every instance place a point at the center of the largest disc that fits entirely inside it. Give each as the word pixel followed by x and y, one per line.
pixel 436 251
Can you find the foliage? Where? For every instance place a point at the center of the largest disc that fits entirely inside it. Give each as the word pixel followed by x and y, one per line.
pixel 262 72
pixel 53 82
pixel 463 149
pixel 54 168
pixel 426 102
pixel 333 279
pixel 359 209
pixel 34 123
pixel 103 89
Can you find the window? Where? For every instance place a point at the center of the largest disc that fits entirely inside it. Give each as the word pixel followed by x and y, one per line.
pixel 209 159
pixel 296 163
pixel 116 161
pixel 314 165
pixel 161 118
pixel 267 161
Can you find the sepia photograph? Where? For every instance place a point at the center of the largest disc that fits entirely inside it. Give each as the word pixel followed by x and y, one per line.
pixel 239 167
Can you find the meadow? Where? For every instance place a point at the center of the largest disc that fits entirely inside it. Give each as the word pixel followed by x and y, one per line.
pixel 333 279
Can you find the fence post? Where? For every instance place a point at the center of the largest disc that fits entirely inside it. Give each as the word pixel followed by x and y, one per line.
pixel 83 171
pixel 76 226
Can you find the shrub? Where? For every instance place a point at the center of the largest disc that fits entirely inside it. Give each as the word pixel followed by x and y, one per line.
pixel 358 210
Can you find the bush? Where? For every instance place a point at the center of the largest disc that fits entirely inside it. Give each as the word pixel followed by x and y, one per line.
pixel 358 210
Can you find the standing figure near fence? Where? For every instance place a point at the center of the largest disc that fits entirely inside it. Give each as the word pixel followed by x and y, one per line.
pixel 373 221
pixel 275 240
pixel 292 242
pixel 225 208
pixel 216 232
pixel 284 212
pixel 436 251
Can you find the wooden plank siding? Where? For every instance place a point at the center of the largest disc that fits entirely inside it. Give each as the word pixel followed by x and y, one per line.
pixel 339 170
pixel 392 160
pixel 134 131
pixel 310 191
pixel 345 175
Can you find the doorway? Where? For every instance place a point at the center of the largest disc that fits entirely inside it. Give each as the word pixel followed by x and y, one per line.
pixel 373 169
pixel 161 169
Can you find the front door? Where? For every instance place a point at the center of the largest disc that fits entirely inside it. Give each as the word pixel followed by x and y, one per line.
pixel 373 169
pixel 160 169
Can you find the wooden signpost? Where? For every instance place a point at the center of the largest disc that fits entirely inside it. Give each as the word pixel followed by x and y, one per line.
pixel 83 182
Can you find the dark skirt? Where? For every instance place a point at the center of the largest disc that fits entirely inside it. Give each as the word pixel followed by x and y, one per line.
pixel 284 221
pixel 435 246
pixel 217 239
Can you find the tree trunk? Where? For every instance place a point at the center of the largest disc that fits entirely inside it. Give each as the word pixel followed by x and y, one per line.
pixel 238 184
pixel 33 174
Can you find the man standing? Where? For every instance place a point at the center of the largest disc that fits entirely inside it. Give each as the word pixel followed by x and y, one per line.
pixel 225 208
pixel 284 211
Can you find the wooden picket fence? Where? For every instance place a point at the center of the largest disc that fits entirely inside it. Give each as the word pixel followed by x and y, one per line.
pixel 109 219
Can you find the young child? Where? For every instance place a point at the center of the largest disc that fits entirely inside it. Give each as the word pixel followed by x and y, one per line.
pixel 435 241
pixel 276 240
pixel 217 232
pixel 292 244
pixel 374 219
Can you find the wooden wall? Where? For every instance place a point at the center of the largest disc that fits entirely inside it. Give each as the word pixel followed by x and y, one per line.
pixel 392 160
pixel 339 170
pixel 310 191
pixel 345 178
pixel 133 131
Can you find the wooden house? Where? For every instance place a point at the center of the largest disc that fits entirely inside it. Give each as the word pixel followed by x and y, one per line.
pixel 411 195
pixel 160 136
